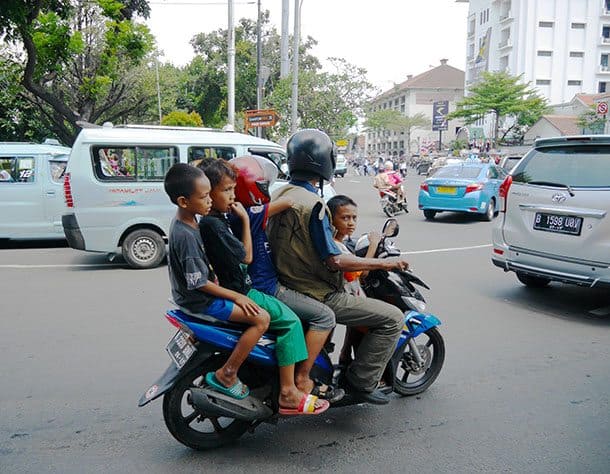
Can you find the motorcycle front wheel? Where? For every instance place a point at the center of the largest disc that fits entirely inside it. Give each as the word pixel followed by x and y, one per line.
pixel 191 427
pixel 388 208
pixel 409 378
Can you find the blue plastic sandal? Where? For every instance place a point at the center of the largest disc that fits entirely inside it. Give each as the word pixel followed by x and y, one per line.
pixel 238 390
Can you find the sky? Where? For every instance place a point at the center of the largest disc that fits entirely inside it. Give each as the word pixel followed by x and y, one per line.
pixel 389 38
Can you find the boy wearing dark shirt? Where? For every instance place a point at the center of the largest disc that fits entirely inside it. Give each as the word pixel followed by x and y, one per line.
pixel 227 255
pixel 193 282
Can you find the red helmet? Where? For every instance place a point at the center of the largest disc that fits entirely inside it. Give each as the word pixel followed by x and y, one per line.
pixel 254 176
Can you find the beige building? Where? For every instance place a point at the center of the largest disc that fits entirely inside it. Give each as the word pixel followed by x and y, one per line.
pixel 415 95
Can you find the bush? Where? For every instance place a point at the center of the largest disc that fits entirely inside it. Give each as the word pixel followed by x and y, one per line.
pixel 182 119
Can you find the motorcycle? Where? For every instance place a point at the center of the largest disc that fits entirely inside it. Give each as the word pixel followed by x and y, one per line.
pixel 201 418
pixel 390 202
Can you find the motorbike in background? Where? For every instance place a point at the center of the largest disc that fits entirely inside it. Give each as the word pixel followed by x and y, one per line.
pixel 202 418
pixel 391 203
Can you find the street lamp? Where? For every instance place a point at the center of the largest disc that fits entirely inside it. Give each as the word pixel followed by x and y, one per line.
pixel 295 70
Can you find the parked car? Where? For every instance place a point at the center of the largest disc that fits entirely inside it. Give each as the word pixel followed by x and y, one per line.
pixel 31 200
pixel 465 187
pixel 341 167
pixel 555 214
pixel 509 162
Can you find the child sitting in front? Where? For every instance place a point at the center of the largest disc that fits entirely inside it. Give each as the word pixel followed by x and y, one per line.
pixel 227 255
pixel 193 282
pixel 344 212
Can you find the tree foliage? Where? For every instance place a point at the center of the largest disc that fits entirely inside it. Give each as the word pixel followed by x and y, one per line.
pixel 393 120
pixel 81 57
pixel 182 119
pixel 503 95
pixel 590 122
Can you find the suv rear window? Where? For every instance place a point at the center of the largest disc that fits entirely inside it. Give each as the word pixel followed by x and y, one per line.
pixel 467 172
pixel 576 166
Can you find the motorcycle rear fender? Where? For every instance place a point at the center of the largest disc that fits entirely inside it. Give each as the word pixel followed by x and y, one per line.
pixel 171 375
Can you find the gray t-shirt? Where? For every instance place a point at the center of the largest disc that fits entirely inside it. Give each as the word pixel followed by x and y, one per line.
pixel 188 267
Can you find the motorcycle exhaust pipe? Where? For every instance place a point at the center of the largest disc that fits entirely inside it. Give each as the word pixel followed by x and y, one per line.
pixel 217 404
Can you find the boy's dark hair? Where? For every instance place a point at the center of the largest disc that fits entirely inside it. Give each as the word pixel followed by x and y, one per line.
pixel 215 169
pixel 180 181
pixel 338 201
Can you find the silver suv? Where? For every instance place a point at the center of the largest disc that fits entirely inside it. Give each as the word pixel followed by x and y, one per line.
pixel 554 220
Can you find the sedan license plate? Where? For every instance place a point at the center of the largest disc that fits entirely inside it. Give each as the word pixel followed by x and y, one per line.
pixel 571 225
pixel 446 189
pixel 180 348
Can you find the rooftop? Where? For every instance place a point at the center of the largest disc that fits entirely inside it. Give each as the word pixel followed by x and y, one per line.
pixel 566 124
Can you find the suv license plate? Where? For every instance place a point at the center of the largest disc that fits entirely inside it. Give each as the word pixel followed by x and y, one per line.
pixel 560 224
pixel 180 349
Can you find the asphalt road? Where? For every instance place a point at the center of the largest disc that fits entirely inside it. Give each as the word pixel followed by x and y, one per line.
pixel 525 387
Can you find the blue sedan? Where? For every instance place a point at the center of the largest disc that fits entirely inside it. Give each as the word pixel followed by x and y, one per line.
pixel 465 187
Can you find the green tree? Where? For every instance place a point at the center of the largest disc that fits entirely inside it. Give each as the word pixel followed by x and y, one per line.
pixel 81 57
pixel 393 120
pixel 183 119
pixel 503 95
pixel 590 122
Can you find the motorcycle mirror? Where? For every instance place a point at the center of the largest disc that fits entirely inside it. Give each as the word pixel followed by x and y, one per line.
pixel 390 228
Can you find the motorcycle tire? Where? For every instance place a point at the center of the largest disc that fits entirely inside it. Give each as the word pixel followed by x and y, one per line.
pixel 223 430
pixel 389 211
pixel 402 386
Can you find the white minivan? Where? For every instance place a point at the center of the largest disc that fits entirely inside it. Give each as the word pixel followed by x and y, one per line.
pixel 31 198
pixel 114 184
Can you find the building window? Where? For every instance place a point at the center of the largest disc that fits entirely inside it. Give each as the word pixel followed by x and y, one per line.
pixel 577 54
pixel 606 33
pixel 545 24
pixel 578 26
pixel 545 53
pixel 574 83
pixel 543 82
pixel 601 87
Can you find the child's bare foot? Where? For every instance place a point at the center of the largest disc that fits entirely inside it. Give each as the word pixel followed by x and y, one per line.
pixel 225 377
pixel 291 398
pixel 304 384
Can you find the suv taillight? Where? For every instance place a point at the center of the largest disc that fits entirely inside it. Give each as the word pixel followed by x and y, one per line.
pixel 503 193
pixel 68 191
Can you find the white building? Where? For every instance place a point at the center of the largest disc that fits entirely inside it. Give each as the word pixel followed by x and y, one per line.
pixel 417 95
pixel 561 47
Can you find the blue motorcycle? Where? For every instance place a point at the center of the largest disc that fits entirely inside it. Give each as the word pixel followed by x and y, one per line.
pixel 201 418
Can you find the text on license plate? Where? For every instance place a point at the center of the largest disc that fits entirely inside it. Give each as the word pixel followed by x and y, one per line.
pixel 560 224
pixel 180 349
pixel 446 189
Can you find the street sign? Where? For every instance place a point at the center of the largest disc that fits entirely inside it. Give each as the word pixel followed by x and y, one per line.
pixel 341 143
pixel 440 110
pixel 261 118
pixel 602 108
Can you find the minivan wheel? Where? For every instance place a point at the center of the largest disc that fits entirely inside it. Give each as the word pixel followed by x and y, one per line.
pixel 429 215
pixel 532 281
pixel 143 248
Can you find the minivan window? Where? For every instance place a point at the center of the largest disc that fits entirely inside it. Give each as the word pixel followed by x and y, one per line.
pixel 201 152
pixel 17 169
pixel 466 172
pixel 133 163
pixel 576 166
pixel 57 170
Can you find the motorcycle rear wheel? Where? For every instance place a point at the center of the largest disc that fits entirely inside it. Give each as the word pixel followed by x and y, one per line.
pixel 180 415
pixel 389 210
pixel 435 351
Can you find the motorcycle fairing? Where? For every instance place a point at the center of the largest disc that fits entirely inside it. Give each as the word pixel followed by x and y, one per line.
pixel 415 324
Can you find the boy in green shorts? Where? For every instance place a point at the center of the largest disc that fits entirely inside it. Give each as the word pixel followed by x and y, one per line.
pixel 227 254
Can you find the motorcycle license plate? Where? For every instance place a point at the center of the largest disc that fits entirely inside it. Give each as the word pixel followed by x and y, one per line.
pixel 446 189
pixel 180 349
pixel 571 225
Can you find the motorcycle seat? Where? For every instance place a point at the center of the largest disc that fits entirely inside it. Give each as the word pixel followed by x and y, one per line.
pixel 186 315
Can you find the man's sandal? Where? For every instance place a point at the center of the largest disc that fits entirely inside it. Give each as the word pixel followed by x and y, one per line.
pixel 328 392
pixel 307 406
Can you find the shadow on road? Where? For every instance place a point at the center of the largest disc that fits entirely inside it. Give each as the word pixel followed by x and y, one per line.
pixel 6 244
pixel 584 305
pixel 454 218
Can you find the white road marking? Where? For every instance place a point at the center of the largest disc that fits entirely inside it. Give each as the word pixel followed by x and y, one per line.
pixel 452 249
pixel 75 265
pixel 353 181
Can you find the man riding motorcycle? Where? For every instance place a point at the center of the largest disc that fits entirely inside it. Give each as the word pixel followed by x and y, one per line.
pixel 308 261
pixel 390 180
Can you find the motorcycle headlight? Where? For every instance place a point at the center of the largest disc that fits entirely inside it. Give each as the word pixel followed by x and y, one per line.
pixel 414 303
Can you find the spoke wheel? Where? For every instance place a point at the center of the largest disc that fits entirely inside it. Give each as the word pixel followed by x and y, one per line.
pixel 191 427
pixel 411 379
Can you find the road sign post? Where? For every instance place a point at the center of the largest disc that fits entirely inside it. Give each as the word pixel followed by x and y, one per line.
pixel 440 109
pixel 260 118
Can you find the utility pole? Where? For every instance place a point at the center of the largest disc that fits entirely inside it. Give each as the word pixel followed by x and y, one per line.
pixel 259 58
pixel 158 86
pixel 285 62
pixel 231 70
pixel 295 65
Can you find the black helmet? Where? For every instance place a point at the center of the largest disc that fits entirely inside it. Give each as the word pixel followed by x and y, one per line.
pixel 311 154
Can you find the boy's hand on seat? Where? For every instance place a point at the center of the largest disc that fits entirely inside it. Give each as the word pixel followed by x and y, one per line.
pixel 247 305
pixel 239 210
